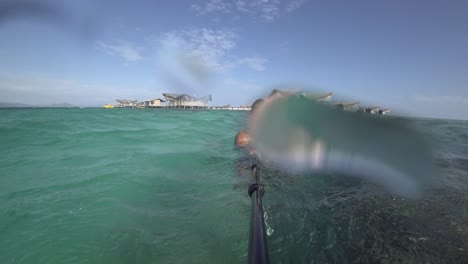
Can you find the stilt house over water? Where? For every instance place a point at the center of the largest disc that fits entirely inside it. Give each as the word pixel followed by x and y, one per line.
pixel 158 102
pixel 184 100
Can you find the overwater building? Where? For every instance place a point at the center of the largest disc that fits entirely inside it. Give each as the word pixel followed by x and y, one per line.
pixel 185 100
pixel 158 102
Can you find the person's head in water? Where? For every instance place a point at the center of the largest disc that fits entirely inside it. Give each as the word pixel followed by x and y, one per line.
pixel 242 139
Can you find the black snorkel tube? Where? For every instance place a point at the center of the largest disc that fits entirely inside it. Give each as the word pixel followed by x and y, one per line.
pixel 258 249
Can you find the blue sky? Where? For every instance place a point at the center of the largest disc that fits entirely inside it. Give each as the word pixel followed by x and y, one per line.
pixel 411 56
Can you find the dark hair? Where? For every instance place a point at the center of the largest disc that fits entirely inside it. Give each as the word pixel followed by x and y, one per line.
pixel 256 104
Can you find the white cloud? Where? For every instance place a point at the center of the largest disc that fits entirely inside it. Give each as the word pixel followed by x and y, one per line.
pixel 212 6
pixel 207 46
pixel 447 99
pixel 186 60
pixel 267 10
pixel 195 61
pixel 123 49
pixel 294 5
pixel 209 49
pixel 255 63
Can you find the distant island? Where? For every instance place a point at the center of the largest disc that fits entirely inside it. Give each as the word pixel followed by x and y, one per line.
pixel 21 105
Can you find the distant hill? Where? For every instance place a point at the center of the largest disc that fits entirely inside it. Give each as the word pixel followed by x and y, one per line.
pixel 9 105
pixel 21 105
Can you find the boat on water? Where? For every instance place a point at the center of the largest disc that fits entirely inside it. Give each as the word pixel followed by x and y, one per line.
pixel 108 106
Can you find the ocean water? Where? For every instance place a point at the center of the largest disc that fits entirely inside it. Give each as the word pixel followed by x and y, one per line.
pixel 163 186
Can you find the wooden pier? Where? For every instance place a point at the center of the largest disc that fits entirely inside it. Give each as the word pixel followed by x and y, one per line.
pixel 226 108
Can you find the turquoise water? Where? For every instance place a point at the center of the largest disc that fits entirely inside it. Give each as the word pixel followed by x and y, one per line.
pixel 162 186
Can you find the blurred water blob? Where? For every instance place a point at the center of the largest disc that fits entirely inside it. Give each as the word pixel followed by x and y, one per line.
pixel 301 135
pixel 80 21
pixel 182 70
